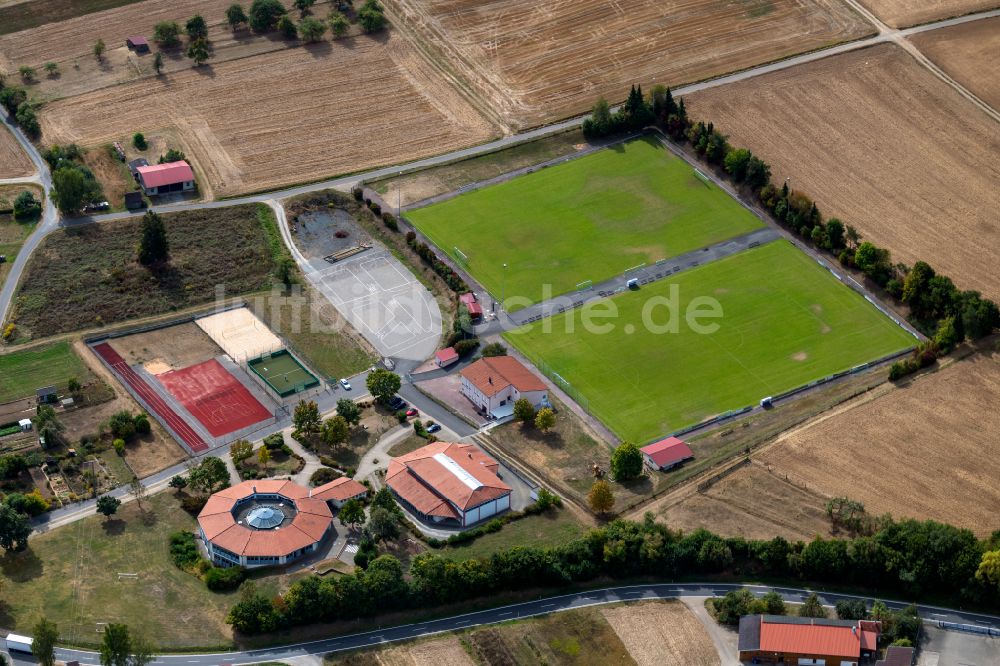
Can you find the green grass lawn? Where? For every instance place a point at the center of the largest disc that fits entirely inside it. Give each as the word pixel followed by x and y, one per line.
pixel 70 575
pixel 786 321
pixel 24 371
pixel 553 528
pixel 587 219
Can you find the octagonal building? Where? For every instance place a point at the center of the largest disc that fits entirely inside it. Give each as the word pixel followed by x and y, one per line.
pixel 263 523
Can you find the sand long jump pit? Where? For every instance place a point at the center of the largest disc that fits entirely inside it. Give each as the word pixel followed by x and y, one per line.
pixel 383 300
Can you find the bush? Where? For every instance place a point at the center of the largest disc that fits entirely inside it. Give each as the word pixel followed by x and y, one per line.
pixel 26 206
pixel 142 425
pixel 139 141
pixel 275 441
pixel 218 579
pixel 466 347
pixel 193 504
pixel 119 446
pixel 389 220
pixel 184 550
pixel 122 424
pixel 323 475
pixel 358 193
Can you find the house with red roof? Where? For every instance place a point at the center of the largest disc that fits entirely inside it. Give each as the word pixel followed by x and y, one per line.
pixel 165 178
pixel 807 641
pixel 494 384
pixel 666 453
pixel 449 484
pixel 339 491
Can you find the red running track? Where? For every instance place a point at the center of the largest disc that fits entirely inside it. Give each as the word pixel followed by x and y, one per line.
pixel 192 439
pixel 215 397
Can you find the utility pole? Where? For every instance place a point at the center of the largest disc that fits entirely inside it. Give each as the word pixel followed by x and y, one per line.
pixel 503 288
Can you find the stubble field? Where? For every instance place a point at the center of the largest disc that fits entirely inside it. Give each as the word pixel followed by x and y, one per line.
pixel 937 453
pixel 903 13
pixel 539 62
pixel 13 162
pixel 284 117
pixel 883 144
pixel 962 51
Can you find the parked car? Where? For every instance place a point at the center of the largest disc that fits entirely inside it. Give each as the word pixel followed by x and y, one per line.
pixel 397 403
pixel 99 205
pixel 412 411
pixel 346 384
pixel 433 427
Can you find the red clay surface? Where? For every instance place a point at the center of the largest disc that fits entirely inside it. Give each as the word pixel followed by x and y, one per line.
pixel 214 397
pixel 177 424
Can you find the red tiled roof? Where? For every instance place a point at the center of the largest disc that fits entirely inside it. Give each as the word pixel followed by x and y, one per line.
pixel 492 375
pixel 426 482
pixel 475 309
pixel 667 451
pixel 340 490
pixel 446 355
pixel 312 519
pixel 157 175
pixel 467 298
pixel 810 639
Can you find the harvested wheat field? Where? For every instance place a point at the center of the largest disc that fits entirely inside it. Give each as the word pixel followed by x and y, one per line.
pixel 963 52
pixel 447 651
pixel 927 449
pixel 904 13
pixel 662 632
pixel 539 62
pixel 883 144
pixel 284 117
pixel 752 503
pixel 13 162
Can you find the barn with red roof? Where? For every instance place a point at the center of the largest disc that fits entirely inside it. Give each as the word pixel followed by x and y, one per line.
pixel 666 453
pixel 804 640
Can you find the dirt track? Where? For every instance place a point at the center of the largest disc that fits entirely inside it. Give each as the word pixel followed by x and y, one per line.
pixel 904 13
pixel 963 52
pixel 13 162
pixel 284 117
pixel 883 144
pixel 538 62
pixel 927 449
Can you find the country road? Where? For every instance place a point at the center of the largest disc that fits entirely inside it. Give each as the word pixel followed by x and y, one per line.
pixel 543 606
pixel 885 35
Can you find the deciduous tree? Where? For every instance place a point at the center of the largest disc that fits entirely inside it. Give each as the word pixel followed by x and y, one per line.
pixel 196 28
pixel 545 419
pixel 167 34
pixel 99 48
pixel 349 410
pixel 240 450
pixel 264 14
pixel 812 607
pixel 600 498
pixel 198 51
pixel 236 16
pixel 383 384
pixel 115 645
pixel 371 16
pixel 14 529
pixel 383 524
pixel 626 462
pixel 264 457
pixel 306 418
pixel 335 431
pixel 524 411
pixel 311 30
pixel 339 24
pixel 209 475
pixel 107 505
pixel 352 513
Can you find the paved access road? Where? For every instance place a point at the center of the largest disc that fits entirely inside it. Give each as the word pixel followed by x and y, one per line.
pixel 542 606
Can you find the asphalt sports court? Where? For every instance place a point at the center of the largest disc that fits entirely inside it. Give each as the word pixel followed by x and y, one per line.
pixel 380 298
pixel 215 397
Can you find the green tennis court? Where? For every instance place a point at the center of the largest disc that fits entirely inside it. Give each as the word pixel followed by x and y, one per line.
pixel 283 373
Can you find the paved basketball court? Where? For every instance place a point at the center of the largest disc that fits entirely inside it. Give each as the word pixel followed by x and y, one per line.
pixel 380 297
pixel 215 397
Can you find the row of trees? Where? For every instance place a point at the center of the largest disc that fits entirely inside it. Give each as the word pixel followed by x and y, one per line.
pixel 908 557
pixel 15 100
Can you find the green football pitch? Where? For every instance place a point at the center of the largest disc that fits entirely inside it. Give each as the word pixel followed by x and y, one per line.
pixel 590 218
pixel 786 321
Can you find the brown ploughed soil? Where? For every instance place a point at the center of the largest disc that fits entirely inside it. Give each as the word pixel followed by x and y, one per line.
pixel 963 52
pixel 284 117
pixel 903 13
pixel 537 62
pixel 880 142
